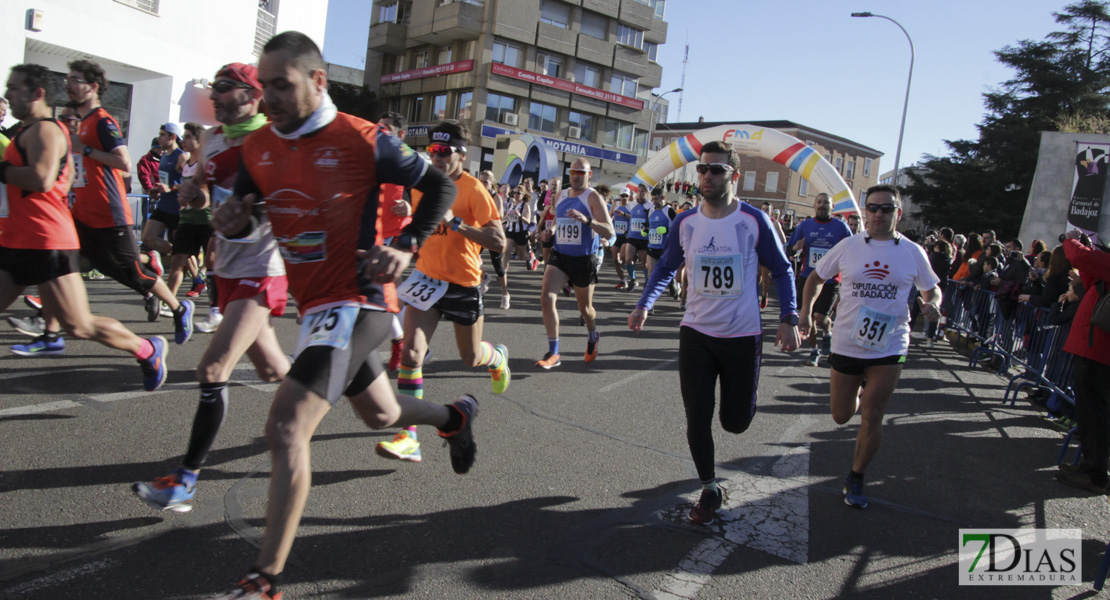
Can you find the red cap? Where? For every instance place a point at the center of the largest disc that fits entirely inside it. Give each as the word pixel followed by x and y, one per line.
pixel 240 72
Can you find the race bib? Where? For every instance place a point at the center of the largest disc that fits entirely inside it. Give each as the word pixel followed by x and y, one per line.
pixel 512 216
pixel 654 237
pixel 328 326
pixel 873 329
pixel 3 201
pixel 637 225
pixel 420 291
pixel 815 256
pixel 718 276
pixel 164 177
pixel 621 227
pixel 568 232
pixel 219 194
pixel 79 177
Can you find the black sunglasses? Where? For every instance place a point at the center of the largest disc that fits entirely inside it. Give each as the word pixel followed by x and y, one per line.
pixel 223 86
pixel 715 169
pixel 886 208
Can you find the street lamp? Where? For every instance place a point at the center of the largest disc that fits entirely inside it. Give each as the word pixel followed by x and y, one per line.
pixel 651 127
pixel 906 104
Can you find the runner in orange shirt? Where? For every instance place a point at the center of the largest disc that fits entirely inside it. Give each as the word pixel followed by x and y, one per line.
pixel 447 281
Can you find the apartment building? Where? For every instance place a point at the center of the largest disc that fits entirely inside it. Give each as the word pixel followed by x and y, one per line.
pixel 763 180
pixel 578 74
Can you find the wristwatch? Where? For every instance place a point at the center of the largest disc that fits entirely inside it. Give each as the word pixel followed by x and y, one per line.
pixel 87 151
pixel 406 242
pixel 790 320
pixel 455 223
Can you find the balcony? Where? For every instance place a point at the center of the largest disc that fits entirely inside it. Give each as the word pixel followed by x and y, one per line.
pixel 654 76
pixel 556 39
pixel 609 8
pixel 657 33
pixel 594 50
pixel 637 14
pixel 449 23
pixel 630 60
pixel 387 38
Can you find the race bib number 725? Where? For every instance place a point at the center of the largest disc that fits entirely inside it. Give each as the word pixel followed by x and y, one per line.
pixel 330 326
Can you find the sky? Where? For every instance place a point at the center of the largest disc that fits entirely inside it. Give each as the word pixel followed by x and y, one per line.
pixel 810 62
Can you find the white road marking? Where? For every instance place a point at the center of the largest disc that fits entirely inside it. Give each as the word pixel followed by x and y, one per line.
pixel 55 579
pixel 648 371
pixel 770 514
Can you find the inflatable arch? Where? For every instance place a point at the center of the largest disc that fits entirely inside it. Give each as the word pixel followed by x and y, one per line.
pixel 749 140
pixel 524 153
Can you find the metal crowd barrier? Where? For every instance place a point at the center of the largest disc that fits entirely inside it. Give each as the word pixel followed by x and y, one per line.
pixel 140 210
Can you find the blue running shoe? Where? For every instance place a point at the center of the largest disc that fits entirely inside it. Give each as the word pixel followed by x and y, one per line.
pixel 41 347
pixel 183 322
pixel 154 368
pixel 853 493
pixel 166 493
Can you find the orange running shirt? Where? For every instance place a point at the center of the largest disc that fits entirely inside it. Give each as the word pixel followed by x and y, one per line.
pixel 321 196
pixel 101 198
pixel 37 220
pixel 447 255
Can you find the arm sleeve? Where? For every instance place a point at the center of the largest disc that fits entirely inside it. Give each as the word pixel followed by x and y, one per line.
pixel 772 256
pixel 664 270
pixel 108 135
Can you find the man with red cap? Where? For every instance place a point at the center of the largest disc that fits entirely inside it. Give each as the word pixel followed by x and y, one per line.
pixel 249 283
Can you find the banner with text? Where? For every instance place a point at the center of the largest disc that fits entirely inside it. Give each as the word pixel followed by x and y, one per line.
pixel 1088 185
pixel 565 85
pixel 456 67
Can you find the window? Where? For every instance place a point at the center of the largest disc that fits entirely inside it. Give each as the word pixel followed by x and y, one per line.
pixel 803 186
pixel 584 122
pixel 839 164
pixel 587 75
pixel 543 117
pixel 618 133
pixel 652 50
pixel 387 13
pixel 549 65
pixel 466 99
pixel 420 59
pixel 630 36
pixel 749 181
pixel 147 6
pixel 497 105
pixel 772 184
pixel 850 169
pixel 867 167
pixel 660 8
pixel 265 26
pixel 623 84
pixel 507 54
pixel 444 55
pixel 555 13
pixel 828 157
pixel 439 107
pixel 416 107
pixel 595 25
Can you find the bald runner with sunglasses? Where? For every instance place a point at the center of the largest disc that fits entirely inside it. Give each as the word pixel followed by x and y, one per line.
pixel 878 270
pixel 722 243
pixel 813 238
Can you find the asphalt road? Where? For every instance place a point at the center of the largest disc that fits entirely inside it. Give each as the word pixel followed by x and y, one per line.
pixel 580 488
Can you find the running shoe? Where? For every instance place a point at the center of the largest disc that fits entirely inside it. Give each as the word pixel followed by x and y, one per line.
pixel 631 286
pixel 210 324
pixel 93 274
pixel 549 361
pixel 34 326
pixel 504 302
pixel 403 447
pixel 620 286
pixel 164 310
pixel 254 586
pixel 153 307
pixel 463 448
pixel 501 377
pixel 166 493
pixel 568 291
pixel 41 347
pixel 853 493
pixel 763 301
pixel 705 511
pixel 154 367
pixel 34 302
pixel 674 290
pixel 156 263
pixel 198 289
pixel 591 348
pixel 533 264
pixel 485 282
pixel 826 345
pixel 394 355
pixel 814 358
pixel 183 322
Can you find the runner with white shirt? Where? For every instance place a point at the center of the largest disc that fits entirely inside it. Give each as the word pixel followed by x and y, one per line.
pixel 878 269
pixel 722 243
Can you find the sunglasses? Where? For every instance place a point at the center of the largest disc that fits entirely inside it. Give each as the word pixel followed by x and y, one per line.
pixel 441 150
pixel 886 208
pixel 223 86
pixel 714 169
pixel 579 172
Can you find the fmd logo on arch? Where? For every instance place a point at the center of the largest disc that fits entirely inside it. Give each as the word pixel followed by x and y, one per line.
pixel 1020 557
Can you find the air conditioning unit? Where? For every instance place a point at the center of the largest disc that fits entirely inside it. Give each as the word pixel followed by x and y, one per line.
pixel 509 119
pixel 574 133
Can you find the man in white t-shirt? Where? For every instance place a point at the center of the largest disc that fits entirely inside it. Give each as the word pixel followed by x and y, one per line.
pixel 869 342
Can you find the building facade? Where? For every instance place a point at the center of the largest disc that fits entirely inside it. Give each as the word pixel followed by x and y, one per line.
pixel 763 180
pixel 577 73
pixel 158 54
pixel 911 215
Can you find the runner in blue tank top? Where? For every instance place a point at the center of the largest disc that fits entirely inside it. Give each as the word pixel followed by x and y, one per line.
pixel 658 230
pixel 636 246
pixel 580 218
pixel 621 219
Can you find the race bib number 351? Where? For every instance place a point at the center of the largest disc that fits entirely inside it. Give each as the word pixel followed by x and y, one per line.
pixel 873 329
pixel 718 276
